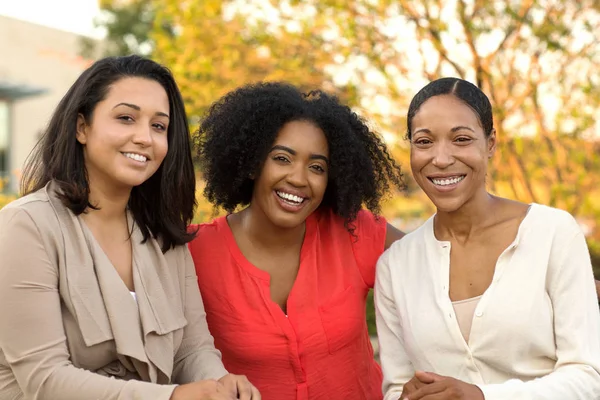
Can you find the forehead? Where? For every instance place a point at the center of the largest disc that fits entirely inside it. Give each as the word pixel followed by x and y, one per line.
pixel 145 93
pixel 303 136
pixel 445 110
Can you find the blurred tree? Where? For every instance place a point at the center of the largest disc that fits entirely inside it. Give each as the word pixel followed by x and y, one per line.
pixel 536 59
pixel 127 23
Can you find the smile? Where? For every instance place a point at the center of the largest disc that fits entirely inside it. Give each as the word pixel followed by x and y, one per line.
pixel 290 198
pixel 136 157
pixel 447 181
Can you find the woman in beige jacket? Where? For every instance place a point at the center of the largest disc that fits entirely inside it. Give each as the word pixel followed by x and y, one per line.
pixel 98 294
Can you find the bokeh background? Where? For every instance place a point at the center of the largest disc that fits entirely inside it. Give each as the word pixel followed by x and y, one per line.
pixel 538 61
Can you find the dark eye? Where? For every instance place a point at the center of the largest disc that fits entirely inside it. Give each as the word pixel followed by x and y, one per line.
pixel 422 141
pixel 281 159
pixel 318 168
pixel 125 118
pixel 160 127
pixel 463 139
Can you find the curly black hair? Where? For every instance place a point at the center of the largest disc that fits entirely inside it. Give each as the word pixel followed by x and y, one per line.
pixel 238 130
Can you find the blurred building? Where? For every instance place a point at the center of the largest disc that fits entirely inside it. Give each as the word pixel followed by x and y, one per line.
pixel 37 66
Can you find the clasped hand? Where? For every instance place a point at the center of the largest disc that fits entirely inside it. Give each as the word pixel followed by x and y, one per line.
pixel 229 387
pixel 430 386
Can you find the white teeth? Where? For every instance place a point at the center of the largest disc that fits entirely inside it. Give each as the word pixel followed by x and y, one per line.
pixel 136 157
pixel 290 197
pixel 447 181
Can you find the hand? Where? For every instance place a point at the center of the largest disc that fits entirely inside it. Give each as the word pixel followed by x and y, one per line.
pixel 202 390
pixel 412 386
pixel 240 387
pixel 444 388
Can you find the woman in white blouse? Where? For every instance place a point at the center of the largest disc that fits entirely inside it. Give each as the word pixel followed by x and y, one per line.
pixel 490 298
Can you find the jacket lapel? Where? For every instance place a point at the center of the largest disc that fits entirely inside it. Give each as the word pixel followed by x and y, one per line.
pixel 103 307
pixel 159 301
pixel 78 283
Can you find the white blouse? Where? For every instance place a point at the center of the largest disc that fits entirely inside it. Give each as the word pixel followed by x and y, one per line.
pixel 535 333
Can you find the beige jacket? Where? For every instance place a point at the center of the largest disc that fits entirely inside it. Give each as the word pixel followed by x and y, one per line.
pixel 70 328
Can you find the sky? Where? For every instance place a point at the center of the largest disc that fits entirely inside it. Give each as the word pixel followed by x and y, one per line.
pixel 68 15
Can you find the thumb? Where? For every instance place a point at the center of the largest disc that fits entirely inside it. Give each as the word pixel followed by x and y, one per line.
pixel 427 377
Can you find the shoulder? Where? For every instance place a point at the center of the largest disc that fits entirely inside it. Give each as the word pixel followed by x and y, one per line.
pixel 208 237
pixel 35 206
pixel 550 221
pixel 207 229
pixel 416 238
pixel 364 221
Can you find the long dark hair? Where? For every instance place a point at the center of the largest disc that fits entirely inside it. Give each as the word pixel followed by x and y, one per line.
pixel 163 206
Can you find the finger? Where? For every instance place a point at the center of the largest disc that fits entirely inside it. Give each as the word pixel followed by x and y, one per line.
pixel 409 387
pixel 437 396
pixel 427 377
pixel 244 388
pixel 228 386
pixel 428 390
pixel 419 384
pixel 256 394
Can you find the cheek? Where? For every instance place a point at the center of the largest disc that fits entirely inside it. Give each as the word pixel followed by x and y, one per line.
pixel 161 147
pixel 417 161
pixel 319 185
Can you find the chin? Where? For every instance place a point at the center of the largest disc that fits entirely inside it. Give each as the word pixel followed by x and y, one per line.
pixel 447 205
pixel 287 221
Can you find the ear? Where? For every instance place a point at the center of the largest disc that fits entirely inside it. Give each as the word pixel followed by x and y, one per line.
pixel 81 129
pixel 491 143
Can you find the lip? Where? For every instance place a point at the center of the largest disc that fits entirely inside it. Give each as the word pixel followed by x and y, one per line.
pixel 446 188
pixel 443 176
pixel 137 153
pixel 292 208
pixel 295 192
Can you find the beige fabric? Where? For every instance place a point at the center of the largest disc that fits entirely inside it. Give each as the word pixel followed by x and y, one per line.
pixel 65 313
pixel 464 310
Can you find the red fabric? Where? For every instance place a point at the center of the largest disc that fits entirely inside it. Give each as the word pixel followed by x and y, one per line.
pixel 322 349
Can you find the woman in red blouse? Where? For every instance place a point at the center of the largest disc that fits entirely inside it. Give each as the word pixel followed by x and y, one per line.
pixel 285 275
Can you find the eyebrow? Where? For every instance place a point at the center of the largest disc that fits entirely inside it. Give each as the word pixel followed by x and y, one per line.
pixel 453 130
pixel 137 108
pixel 461 127
pixel 293 152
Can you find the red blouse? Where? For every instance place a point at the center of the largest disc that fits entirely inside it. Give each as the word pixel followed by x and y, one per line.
pixel 321 349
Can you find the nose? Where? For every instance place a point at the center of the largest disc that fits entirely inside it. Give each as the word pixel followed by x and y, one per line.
pixel 443 156
pixel 143 136
pixel 297 175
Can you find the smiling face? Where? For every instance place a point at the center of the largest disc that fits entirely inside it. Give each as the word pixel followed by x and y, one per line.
pixel 125 142
pixel 294 176
pixel 449 152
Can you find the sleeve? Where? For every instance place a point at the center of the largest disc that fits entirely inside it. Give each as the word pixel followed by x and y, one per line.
pixel 368 243
pixel 396 366
pixel 197 358
pixel 570 284
pixel 32 337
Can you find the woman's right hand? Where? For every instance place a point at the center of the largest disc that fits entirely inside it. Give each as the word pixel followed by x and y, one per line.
pixel 202 390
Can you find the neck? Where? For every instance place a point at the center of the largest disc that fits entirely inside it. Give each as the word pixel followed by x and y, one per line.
pixel 265 234
pixel 110 201
pixel 461 224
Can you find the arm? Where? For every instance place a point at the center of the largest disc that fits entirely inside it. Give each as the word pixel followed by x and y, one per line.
pixel 32 335
pixel 576 329
pixel 197 357
pixel 397 368
pixel 391 235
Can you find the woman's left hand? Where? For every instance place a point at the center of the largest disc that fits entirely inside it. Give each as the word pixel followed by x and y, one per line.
pixel 444 388
pixel 240 387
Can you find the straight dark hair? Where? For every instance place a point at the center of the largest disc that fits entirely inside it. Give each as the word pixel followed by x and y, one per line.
pixel 463 90
pixel 163 206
